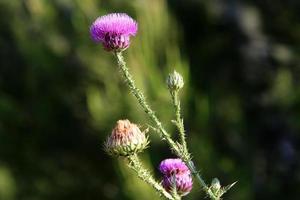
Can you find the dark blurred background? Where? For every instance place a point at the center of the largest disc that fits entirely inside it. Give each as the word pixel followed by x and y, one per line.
pixel 61 94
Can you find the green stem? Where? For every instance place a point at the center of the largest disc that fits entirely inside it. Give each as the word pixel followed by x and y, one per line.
pixel 174 189
pixel 177 148
pixel 136 165
pixel 141 99
pixel 180 126
pixel 202 183
pixel 179 119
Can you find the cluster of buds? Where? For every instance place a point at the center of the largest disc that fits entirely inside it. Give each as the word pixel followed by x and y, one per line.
pixel 176 176
pixel 126 139
pixel 175 81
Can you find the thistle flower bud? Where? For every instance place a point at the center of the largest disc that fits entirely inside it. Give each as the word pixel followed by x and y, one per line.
pixel 126 139
pixel 175 81
pixel 217 189
pixel 215 185
pixel 176 174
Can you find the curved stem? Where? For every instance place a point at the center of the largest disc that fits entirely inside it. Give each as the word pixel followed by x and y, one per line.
pixel 144 174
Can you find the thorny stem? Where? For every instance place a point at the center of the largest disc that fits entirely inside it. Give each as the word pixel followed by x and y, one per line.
pixel 141 99
pixel 180 126
pixel 177 148
pixel 136 165
pixel 196 173
pixel 179 120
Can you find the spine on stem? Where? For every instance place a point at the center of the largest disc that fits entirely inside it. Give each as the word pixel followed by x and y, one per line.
pixel 143 174
pixel 142 101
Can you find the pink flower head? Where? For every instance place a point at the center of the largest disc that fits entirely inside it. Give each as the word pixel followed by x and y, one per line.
pixel 173 166
pixel 126 139
pixel 182 182
pixel 176 174
pixel 114 31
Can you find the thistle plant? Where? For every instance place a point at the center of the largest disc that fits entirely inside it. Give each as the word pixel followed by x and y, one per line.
pixel 113 31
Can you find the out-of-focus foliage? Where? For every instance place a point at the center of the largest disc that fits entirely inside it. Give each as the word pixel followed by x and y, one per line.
pixel 60 95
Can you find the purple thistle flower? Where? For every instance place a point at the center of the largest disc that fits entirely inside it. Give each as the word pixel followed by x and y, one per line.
pixel 176 174
pixel 114 31
pixel 173 166
pixel 182 182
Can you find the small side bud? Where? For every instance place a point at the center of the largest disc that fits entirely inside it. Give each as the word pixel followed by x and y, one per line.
pixel 175 81
pixel 217 189
pixel 126 139
pixel 215 185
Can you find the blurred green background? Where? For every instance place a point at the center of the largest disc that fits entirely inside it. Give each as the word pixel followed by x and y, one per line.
pixel 61 94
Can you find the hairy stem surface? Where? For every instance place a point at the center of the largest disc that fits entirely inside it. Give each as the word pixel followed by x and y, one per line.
pixel 136 165
pixel 142 101
pixel 180 126
pixel 179 120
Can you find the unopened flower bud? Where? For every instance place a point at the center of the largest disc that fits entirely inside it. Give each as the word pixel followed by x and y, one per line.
pixel 217 189
pixel 175 81
pixel 126 139
pixel 215 184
